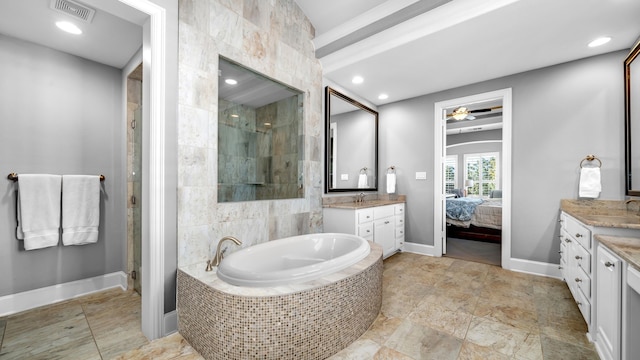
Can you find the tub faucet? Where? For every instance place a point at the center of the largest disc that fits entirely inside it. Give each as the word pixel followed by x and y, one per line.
pixel 219 254
pixel 633 200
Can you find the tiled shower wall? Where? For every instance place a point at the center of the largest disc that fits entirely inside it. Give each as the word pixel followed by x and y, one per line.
pixel 269 37
pixel 260 151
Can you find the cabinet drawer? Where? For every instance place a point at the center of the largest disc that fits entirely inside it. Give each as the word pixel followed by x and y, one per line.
pixel 365 215
pixel 399 232
pixel 563 252
pixel 583 259
pixel 399 221
pixel 578 232
pixel 584 305
pixel 398 209
pixel 583 282
pixel 382 211
pixel 365 230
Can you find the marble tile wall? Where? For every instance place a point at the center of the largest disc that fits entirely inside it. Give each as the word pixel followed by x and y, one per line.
pixel 272 38
pixel 134 185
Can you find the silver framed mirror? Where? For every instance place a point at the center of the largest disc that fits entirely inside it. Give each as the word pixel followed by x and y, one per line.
pixel 351 133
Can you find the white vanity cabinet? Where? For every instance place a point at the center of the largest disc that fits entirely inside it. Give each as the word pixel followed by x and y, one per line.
pixel 383 225
pixel 608 303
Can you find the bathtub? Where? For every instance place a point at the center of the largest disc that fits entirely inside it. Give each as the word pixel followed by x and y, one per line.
pixel 313 314
pixel 293 260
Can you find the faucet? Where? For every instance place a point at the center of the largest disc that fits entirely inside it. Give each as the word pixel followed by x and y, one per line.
pixel 219 254
pixel 360 198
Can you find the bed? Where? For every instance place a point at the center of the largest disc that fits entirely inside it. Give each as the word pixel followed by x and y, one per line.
pixel 475 219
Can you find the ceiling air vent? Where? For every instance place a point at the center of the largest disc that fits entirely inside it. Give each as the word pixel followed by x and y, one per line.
pixel 75 9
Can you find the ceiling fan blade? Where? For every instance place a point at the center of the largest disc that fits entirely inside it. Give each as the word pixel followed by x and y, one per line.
pixel 485 110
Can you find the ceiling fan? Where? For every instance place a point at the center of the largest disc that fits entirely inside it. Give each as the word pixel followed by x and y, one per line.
pixel 462 113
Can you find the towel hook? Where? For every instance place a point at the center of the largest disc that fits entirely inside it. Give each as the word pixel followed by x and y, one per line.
pixel 363 170
pixel 391 170
pixel 591 158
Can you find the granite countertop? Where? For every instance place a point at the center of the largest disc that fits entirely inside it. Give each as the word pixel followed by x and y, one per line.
pixel 628 248
pixel 364 204
pixel 603 213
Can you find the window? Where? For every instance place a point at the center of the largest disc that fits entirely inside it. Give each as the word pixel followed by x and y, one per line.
pixel 483 169
pixel 450 173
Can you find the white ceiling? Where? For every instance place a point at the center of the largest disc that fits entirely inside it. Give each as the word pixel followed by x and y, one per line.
pixel 463 41
pixel 112 38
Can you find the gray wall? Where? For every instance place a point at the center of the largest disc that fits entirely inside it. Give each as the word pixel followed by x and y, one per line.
pixel 355 147
pixel 560 114
pixel 59 114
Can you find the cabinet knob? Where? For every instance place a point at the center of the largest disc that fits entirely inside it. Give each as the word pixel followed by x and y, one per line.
pixel 609 264
pixel 386 222
pixel 578 280
pixel 560 220
pixel 567 240
pixel 368 230
pixel 578 235
pixel 560 267
pixel 560 252
pixel 579 303
pixel 578 257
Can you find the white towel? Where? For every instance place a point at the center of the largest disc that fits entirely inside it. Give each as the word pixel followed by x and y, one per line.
pixel 80 209
pixel 38 210
pixel 590 186
pixel 391 183
pixel 362 181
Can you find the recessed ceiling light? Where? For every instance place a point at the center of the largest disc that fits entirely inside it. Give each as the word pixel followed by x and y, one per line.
pixel 231 81
pixel 234 115
pixel 69 27
pixel 357 80
pixel 600 41
pixel 383 96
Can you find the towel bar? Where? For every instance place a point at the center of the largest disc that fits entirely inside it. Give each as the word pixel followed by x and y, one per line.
pixel 14 177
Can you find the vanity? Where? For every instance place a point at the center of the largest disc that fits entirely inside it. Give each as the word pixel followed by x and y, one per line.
pixel 379 221
pixel 600 261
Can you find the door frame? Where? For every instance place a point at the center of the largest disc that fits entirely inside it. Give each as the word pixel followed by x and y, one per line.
pixel 440 153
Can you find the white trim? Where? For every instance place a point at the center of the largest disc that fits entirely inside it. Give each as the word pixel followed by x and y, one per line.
pixel 14 303
pixel 474 143
pixel 170 322
pixel 536 268
pixel 439 160
pixel 153 187
pixel 419 249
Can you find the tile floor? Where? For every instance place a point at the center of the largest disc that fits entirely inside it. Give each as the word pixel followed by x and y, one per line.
pixel 433 308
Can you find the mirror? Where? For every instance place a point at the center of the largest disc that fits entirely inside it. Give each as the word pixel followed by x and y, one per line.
pixel 632 121
pixel 260 141
pixel 351 161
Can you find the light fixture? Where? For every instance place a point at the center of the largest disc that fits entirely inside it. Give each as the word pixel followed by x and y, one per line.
pixel 231 81
pixel 68 27
pixel 267 124
pixel 600 41
pixel 234 115
pixel 383 97
pixel 460 114
pixel 357 80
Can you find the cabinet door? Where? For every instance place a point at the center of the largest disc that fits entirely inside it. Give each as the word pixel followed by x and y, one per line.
pixel 608 302
pixel 384 234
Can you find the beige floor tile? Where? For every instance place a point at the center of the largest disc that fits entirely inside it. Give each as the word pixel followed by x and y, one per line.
pixel 514 311
pixel 553 349
pixel 389 354
pixel 421 342
pixel 361 349
pixel 168 348
pixel 54 332
pixel 381 329
pixel 114 318
pixel 497 336
pixel 437 316
pixel 471 351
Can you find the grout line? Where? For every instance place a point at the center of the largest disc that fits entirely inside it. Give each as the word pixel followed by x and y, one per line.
pixel 93 336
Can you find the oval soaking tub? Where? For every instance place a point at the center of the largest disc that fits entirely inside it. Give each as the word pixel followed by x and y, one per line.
pixel 292 260
pixel 299 319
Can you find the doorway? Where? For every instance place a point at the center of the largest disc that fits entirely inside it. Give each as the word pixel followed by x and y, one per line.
pixel 473 171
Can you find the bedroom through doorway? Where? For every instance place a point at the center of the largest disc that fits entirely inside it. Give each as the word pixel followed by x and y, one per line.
pixel 474 160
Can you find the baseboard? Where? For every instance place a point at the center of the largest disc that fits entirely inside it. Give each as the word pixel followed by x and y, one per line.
pixel 170 322
pixel 535 268
pixel 14 303
pixel 419 249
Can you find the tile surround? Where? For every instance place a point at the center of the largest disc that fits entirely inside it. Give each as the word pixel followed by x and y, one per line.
pixel 266 37
pixel 312 320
